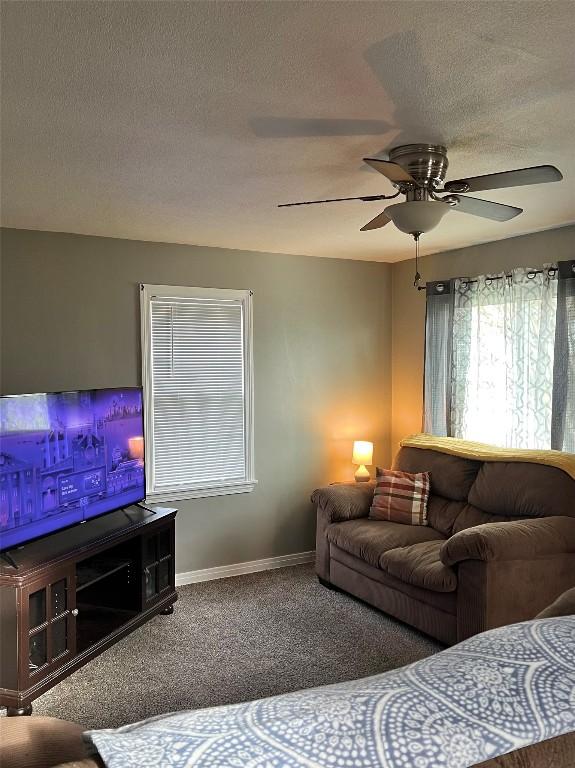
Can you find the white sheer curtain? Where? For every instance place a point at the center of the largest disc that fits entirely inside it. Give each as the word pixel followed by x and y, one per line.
pixel 502 358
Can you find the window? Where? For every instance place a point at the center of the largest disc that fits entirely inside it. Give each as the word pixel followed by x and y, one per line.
pixel 197 373
pixel 500 358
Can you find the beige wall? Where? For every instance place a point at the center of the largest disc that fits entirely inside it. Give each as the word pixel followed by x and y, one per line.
pixel 70 316
pixel 408 307
pixel 326 332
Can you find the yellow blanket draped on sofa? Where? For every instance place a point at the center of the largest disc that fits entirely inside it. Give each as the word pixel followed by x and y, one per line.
pixel 468 449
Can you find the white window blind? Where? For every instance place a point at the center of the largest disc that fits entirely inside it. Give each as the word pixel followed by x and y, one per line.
pixel 198 389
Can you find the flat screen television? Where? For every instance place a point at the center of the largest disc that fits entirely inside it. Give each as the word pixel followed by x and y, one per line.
pixel 67 457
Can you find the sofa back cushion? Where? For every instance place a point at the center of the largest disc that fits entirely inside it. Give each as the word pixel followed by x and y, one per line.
pixel 451 476
pixel 471 516
pixel 442 513
pixel 400 497
pixel 518 489
pixel 464 493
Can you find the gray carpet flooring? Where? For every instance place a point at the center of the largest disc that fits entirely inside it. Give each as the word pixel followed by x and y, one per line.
pixel 235 640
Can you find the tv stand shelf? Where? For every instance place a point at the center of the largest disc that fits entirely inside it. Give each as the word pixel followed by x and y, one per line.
pixel 102 567
pixel 67 597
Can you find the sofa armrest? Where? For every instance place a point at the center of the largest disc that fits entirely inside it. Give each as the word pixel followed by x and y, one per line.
pixel 344 501
pixel 514 540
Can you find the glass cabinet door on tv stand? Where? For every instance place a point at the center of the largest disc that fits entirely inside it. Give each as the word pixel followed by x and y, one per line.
pixel 48 625
pixel 158 564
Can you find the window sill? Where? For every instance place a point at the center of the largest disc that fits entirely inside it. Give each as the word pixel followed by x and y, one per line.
pixel 201 493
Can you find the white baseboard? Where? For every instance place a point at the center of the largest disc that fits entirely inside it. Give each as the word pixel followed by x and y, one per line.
pixel 238 569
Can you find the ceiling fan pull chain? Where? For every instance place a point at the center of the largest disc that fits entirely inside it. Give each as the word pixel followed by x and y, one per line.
pixel 417 278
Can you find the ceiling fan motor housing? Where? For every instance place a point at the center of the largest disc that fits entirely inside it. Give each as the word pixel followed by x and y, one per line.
pixel 422 210
pixel 427 163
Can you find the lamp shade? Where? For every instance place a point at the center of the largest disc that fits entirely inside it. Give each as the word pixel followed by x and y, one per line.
pixel 362 452
pixel 417 215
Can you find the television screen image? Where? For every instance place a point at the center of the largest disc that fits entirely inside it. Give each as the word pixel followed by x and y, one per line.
pixel 67 457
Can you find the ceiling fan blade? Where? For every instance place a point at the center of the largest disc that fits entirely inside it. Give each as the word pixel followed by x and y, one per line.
pixel 377 223
pixel 393 171
pixel 539 174
pixel 365 199
pixel 485 208
pixel 286 127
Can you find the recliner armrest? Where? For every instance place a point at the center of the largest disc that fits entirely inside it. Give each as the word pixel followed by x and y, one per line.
pixel 514 540
pixel 344 501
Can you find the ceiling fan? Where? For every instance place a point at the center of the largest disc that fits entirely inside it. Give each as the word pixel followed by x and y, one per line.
pixel 418 171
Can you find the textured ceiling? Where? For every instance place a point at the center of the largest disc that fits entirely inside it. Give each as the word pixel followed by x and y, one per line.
pixel 157 120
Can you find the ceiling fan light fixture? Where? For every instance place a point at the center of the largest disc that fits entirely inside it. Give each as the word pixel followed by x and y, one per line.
pixel 417 215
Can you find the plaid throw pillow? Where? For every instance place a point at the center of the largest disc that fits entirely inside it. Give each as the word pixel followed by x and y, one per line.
pixel 400 497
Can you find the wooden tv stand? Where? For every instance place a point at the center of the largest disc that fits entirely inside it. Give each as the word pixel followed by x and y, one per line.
pixel 67 597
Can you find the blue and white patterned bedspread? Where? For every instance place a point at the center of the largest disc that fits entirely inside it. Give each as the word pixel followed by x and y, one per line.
pixel 489 695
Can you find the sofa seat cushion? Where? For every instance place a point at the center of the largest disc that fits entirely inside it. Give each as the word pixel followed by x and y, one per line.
pixel 420 565
pixel 446 602
pixel 369 539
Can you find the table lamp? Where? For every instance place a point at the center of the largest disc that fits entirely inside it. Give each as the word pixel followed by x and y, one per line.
pixel 362 455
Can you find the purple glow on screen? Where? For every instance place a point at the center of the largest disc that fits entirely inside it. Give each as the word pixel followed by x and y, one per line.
pixel 67 457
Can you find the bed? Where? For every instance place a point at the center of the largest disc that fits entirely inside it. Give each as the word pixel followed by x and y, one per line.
pixel 492 694
pixel 502 698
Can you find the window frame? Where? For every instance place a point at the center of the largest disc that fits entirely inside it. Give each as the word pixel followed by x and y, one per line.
pixel 222 488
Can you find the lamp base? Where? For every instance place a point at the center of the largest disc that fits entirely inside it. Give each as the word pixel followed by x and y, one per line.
pixel 361 475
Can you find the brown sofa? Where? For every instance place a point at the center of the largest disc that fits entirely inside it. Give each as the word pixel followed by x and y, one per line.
pixel 498 548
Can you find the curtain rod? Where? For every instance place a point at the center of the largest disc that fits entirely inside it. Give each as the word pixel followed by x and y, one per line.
pixel 531 274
